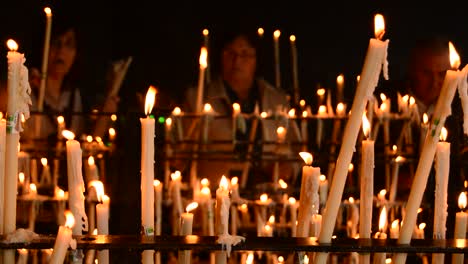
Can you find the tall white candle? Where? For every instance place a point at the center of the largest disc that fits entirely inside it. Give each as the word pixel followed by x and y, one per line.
pixel 207 117
pixel 186 223
pixel 461 219
pixel 201 79
pixel 176 199
pixel 276 36
pixel 367 181
pixel 45 58
pixel 442 167
pixel 375 59
pixel 295 74
pixel 309 198
pixel 222 215
pixel 441 111
pixel 102 217
pixel 158 188
pixel 147 171
pixel 63 240
pixel 2 169
pixel 206 40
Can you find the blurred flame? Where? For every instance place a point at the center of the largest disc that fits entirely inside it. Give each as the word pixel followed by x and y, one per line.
pixel 462 200
pixel 454 57
pixel 203 58
pixel 44 161
pixel 156 183
pixel 234 181
pixel 192 206
pixel 12 45
pixel 292 38
pixel 224 184
pixel 425 119
pixel 91 161
pixel 307 157
pixel 150 99
pixel 68 134
pixel 264 197
pixel 177 111
pixel 99 187
pixel 277 34
pixel 21 177
pixel 282 184
pixel 48 11
pixel 70 219
pixel 60 119
pixel 292 200
pixel 443 134
pixel 365 125
pixel 383 219
pixel 379 26
pixel 322 178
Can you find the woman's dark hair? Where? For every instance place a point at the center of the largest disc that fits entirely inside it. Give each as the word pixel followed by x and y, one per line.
pixel 428 45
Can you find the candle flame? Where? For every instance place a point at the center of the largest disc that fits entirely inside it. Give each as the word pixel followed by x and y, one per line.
pixel 177 111
pixel 394 148
pixel 321 92
pixel 322 109
pixel 112 132
pixel 322 178
pixel 422 226
pixel 205 182
pixel 267 227
pixel 99 187
pixel 59 193
pixel 150 99
pixel 176 175
pixel 169 122
pixel 70 219
pixel 203 58
pixel 304 114
pixel 420 210
pixel 395 224
pixel 236 107
pixel 205 190
pixel 277 34
pixel 89 139
pixel 263 114
pixel 292 200
pixel 250 258
pixel 462 201
pixel 366 127
pixel 48 11
pixel 383 219
pixel 382 193
pixel 379 26
pixel 307 157
pixel 234 181
pixel 358 78
pixel 292 113
pixel 383 97
pixel 33 188
pixel 44 161
pixel 192 206
pixel 68 134
pixel 22 251
pixel 443 134
pixel 340 107
pixel 60 119
pixel 412 101
pixel 280 259
pixel 207 108
pixel 282 184
pixel 340 79
pixel 271 219
pixel 292 38
pixel 351 199
pixel 302 102
pixel 224 184
pixel 91 161
pixel 260 31
pixel 12 45
pixel 399 159
pixel 454 57
pixel 388 260
pixel 425 119
pixel 280 130
pixel 21 177
pixel 350 167
pixel 156 183
pixel 114 117
pixel 264 197
pixel 205 32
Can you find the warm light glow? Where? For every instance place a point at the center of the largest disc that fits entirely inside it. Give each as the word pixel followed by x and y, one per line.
pixel 358 78
pixel 282 184
pixel 395 224
pixel 292 38
pixel 383 219
pixel 99 187
pixel 322 109
pixel 112 132
pixel 243 207
pixel 22 251
pixel 206 32
pixel 382 193
pixel 260 31
pixel 306 259
pixel 98 139
pixel 307 157
pixel 340 79
pixel 263 114
pixel 192 206
pixel 70 219
pixel 156 183
pixel 44 161
pixel 12 45
pixel 280 130
pixel 271 219
pixel 277 34
pixel 169 122
pixel 383 97
pixel 234 181
pixel 394 148
pixel 150 99
pixel 177 111
pixel 203 58
pixel 425 119
pixel 59 193
pixel 305 114
pixel 21 177
pixel 388 260
pixel 236 108
pixel 379 26
pixel 89 139
pixel 91 161
pixel 443 134
pixel 454 57
pixel 205 190
pixel 302 102
pixel 350 167
pixel 280 259
pixel 321 92
pixel 250 258
pixel 223 184
pixel 114 117
pixel 339 107
pixel 48 11
pixel 1 115
pixel 366 125
pixel 264 197
pixel 405 98
pixel 322 178
pixel 399 159
pixel 68 134
pixel 292 200
pixel 176 176
pixel 412 101
pixel 60 120
pixel 267 228
pixel 205 182
pixel 462 201
pixel 292 113
pixel 207 108
pixel 33 188
pixel 422 226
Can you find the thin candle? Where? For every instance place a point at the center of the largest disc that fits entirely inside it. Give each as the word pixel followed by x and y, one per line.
pixel 295 74
pixel 201 79
pixel 45 58
pixel 367 181
pixel 63 240
pixel 276 36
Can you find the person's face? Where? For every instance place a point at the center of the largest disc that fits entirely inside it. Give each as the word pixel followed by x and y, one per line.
pixel 62 53
pixel 429 74
pixel 239 60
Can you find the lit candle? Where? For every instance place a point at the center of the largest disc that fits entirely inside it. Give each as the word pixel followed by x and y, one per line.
pixel 2 169
pixel 322 113
pixel 177 210
pixel 158 206
pixel 461 219
pixel 367 181
pixel 45 176
pixel 92 171
pixel 207 211
pixel 222 215
pixel 206 40
pixel 276 36
pixel 293 205
pixel 353 218
pixel 379 258
pixel 176 115
pixel 341 109
pixel 112 133
pixel 201 79
pixel 309 197
pixel 76 186
pixel 102 217
pixel 304 132
pixel 45 58
pixel 340 88
pixel 441 111
pixel 395 229
pixel 424 127
pixel 323 189
pixel 186 223
pixel 32 212
pixel 22 256
pixel 294 62
pixel 396 168
pixel 236 121
pixel 281 134
pixel 63 240
pixel 442 167
pixel 207 117
pixel 321 96
pixel 375 59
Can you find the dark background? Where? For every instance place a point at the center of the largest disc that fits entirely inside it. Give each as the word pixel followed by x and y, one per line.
pixel 164 37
